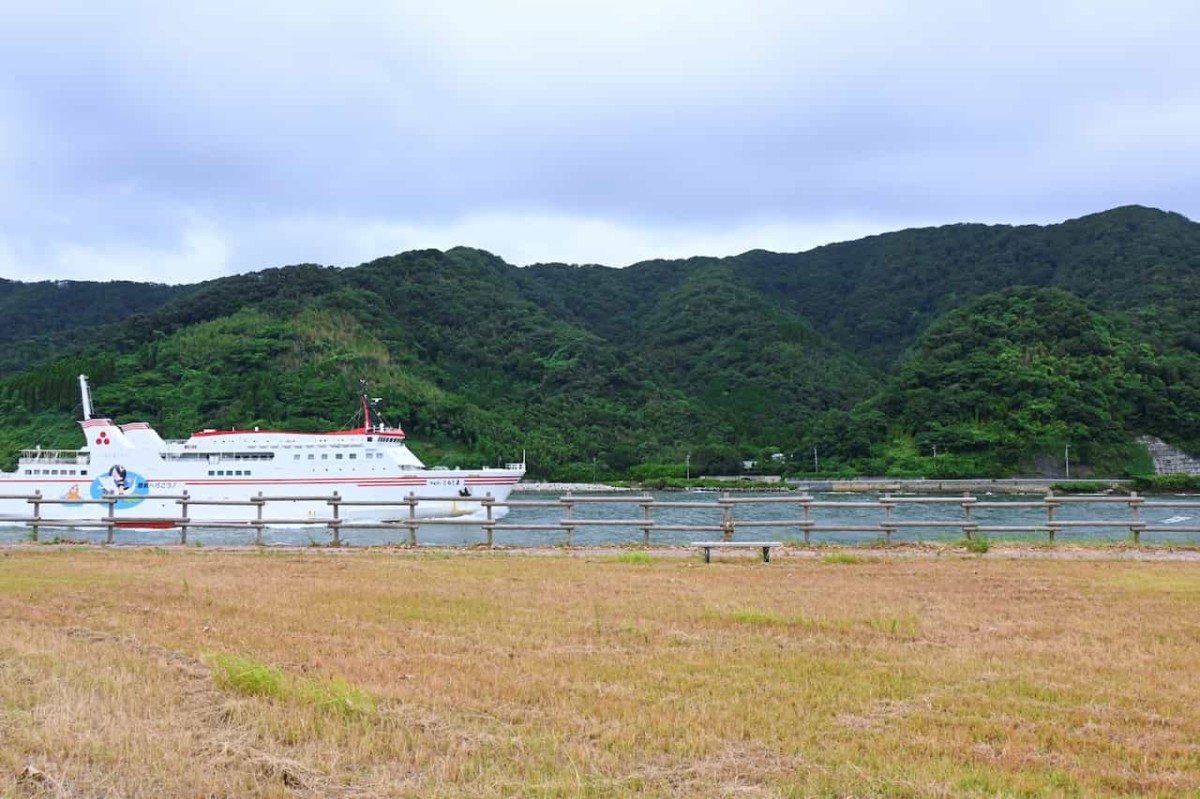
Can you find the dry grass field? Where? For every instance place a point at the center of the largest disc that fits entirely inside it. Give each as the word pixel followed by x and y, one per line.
pixel 149 673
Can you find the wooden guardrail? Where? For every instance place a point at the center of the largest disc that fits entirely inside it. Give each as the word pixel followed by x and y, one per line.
pixel 725 523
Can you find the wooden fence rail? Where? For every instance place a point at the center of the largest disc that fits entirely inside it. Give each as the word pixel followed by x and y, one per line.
pixel 726 522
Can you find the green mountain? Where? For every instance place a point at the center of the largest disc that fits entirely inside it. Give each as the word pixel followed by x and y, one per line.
pixel 45 318
pixel 1020 373
pixel 997 345
pixel 877 295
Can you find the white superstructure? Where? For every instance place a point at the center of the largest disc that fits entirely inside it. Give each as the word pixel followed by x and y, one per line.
pixel 132 462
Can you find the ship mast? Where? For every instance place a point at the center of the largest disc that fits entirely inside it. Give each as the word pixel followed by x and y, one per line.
pixel 372 420
pixel 366 405
pixel 87 397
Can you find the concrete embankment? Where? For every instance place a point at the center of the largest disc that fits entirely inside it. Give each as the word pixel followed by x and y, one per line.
pixel 869 484
pixel 563 488
pixel 925 486
pixel 1168 459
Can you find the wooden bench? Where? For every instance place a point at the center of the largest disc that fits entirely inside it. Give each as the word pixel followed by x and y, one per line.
pixel 709 546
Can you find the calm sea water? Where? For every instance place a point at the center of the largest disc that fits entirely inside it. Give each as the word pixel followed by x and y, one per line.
pixel 1173 513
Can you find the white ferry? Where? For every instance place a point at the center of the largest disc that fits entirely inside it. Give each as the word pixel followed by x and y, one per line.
pixel 147 475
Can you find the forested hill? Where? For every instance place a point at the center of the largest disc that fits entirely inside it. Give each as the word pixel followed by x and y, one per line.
pixel 878 294
pixel 43 318
pixel 994 345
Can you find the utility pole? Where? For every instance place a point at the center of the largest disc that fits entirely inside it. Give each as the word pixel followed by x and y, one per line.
pixel 816 463
pixel 1067 459
pixel 687 461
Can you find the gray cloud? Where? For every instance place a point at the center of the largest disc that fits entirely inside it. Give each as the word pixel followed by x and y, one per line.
pixel 166 143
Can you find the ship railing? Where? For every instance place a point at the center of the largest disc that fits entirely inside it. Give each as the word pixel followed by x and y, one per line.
pixel 55 456
pixel 725 515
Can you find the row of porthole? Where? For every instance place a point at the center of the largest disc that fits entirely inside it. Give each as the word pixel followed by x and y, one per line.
pixel 54 471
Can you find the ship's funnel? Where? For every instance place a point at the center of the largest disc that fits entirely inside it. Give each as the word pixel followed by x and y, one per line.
pixel 102 434
pixel 140 434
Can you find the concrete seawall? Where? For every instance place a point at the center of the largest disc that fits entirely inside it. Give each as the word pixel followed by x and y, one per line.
pixel 926 486
pixel 863 485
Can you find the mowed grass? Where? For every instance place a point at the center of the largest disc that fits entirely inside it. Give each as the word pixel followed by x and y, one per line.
pixel 206 673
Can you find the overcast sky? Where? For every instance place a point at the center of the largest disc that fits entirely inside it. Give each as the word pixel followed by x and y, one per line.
pixel 177 142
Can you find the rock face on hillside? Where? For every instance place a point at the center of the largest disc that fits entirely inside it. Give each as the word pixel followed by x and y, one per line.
pixel 1168 459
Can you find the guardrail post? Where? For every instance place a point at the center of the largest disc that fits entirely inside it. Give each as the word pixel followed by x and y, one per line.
pixel 726 517
pixel 490 524
pixel 411 524
pixel 968 525
pixel 335 524
pixel 1135 523
pixel 183 517
pixel 258 519
pixel 37 512
pixel 647 502
pixel 804 503
pixel 111 521
pixel 568 515
pixel 1050 506
pixel 888 526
